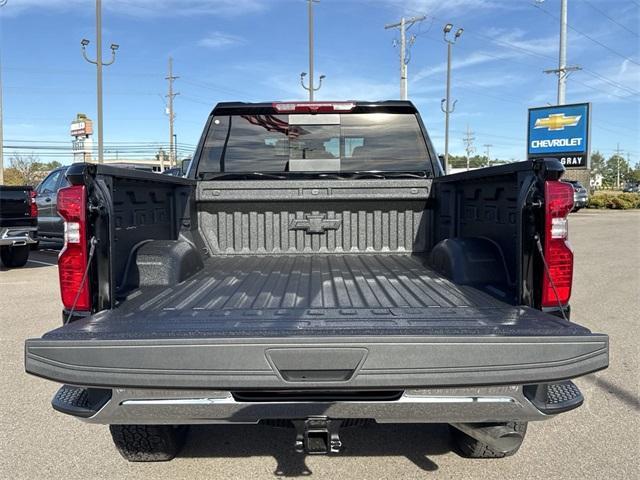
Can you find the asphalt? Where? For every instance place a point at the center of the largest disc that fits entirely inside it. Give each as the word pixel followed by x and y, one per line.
pixel 599 440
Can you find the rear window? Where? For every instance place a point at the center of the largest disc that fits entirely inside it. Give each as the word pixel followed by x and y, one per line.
pixel 315 143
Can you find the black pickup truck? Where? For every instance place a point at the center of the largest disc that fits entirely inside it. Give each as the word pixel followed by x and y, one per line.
pixel 18 224
pixel 316 270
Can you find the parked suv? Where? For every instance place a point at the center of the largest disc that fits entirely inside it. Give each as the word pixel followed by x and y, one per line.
pixel 580 195
pixel 50 224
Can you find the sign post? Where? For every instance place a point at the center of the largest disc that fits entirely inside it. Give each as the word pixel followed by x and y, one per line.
pixel 561 132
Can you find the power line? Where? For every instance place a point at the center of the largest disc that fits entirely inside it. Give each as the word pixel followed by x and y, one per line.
pixel 615 52
pixel 518 48
pixel 604 14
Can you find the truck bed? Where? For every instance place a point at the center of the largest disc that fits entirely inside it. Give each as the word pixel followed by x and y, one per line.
pixel 273 296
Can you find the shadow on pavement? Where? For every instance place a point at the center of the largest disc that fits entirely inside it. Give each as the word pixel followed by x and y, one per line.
pixel 415 442
pixel 620 393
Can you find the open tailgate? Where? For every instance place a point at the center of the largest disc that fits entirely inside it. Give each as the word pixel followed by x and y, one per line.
pixel 307 348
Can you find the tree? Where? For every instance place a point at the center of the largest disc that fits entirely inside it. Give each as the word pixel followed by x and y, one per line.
pixel 27 169
pixel 616 165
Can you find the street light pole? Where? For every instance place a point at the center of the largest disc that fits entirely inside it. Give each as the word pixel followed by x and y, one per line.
pixel 311 88
pixel 2 4
pixel 99 64
pixel 446 105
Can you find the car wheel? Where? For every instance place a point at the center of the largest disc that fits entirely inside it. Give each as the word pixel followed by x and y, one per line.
pixel 471 448
pixel 148 443
pixel 14 257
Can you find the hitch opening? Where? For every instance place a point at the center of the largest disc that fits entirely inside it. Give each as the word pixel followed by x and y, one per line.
pixel 317 436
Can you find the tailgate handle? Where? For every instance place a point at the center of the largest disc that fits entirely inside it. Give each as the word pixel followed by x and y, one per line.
pixel 316 375
pixel 316 364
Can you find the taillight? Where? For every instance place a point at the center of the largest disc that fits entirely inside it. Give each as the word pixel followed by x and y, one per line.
pixel 557 252
pixel 72 261
pixel 313 107
pixel 33 206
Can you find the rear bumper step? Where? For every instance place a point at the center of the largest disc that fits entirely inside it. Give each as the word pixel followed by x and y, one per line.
pixel 329 362
pixel 172 407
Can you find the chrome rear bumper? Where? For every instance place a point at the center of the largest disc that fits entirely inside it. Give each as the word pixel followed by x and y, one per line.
pixel 444 405
pixel 17 236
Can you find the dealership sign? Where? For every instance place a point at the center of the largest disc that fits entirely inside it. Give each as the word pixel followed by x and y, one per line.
pixel 560 132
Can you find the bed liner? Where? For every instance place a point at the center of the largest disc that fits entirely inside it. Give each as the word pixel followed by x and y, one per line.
pixel 353 321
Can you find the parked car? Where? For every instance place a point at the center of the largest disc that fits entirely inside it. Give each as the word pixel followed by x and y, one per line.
pixel 580 195
pixel 632 187
pixel 18 224
pixel 174 171
pixel 50 223
pixel 316 269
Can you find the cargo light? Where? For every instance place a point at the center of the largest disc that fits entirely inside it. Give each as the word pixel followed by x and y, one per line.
pixel 72 261
pixel 556 284
pixel 313 107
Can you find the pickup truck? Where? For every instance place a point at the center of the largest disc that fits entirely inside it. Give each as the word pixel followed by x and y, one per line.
pixel 18 224
pixel 317 270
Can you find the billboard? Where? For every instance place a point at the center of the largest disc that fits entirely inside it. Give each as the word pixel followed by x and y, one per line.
pixel 560 132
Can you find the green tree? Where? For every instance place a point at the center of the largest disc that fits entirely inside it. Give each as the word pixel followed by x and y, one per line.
pixel 616 165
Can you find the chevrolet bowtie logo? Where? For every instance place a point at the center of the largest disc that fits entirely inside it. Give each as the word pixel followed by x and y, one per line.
pixel 557 121
pixel 315 223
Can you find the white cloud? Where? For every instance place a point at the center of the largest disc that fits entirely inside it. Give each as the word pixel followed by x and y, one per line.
pixel 145 8
pixel 221 40
pixel 433 7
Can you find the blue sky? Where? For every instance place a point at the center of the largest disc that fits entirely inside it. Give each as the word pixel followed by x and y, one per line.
pixel 254 50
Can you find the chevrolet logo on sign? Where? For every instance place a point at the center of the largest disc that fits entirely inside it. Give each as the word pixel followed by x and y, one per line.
pixel 557 121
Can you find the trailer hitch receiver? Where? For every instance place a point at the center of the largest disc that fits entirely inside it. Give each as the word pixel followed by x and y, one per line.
pixel 317 436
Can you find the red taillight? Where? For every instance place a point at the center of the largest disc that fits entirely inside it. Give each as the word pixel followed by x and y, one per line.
pixel 557 252
pixel 313 107
pixel 33 206
pixel 72 261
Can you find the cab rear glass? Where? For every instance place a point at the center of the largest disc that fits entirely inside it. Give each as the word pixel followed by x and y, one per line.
pixel 336 142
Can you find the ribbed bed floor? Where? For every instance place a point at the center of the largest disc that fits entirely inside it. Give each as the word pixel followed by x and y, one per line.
pixel 317 281
pixel 313 295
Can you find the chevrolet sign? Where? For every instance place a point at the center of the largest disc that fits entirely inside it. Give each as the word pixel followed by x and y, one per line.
pixel 560 132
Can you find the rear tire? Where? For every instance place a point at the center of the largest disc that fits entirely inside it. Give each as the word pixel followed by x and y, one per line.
pixel 14 257
pixel 148 443
pixel 471 448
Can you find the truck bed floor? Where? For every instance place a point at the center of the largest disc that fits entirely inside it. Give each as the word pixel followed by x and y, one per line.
pixel 313 295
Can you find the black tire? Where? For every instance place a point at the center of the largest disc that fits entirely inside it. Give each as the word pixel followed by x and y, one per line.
pixel 14 257
pixel 148 443
pixel 471 448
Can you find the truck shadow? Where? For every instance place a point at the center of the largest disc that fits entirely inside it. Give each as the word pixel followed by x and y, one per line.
pixel 415 442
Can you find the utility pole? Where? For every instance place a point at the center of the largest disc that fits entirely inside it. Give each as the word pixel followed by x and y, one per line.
pixel 445 105
pixel 468 145
pixel 563 71
pixel 99 64
pixel 2 4
pixel 618 157
pixel 172 116
pixel 175 147
pixel 404 24
pixel 311 88
pixel 488 151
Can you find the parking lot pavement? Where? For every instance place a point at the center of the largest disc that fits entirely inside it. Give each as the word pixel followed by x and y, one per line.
pixel 599 440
